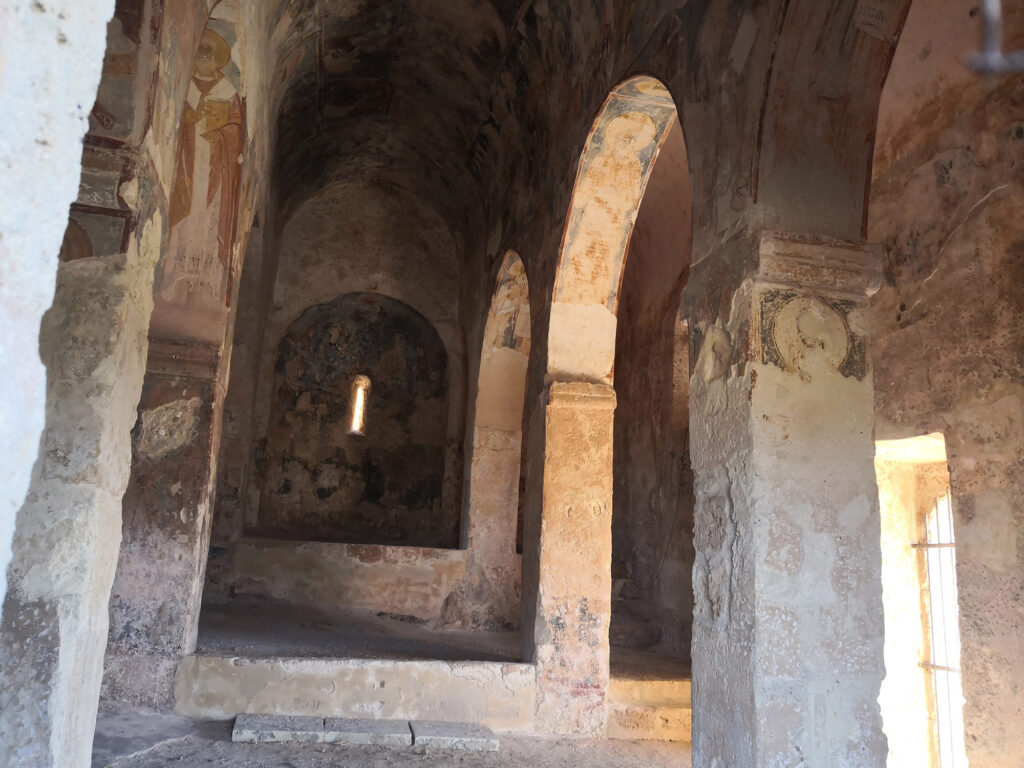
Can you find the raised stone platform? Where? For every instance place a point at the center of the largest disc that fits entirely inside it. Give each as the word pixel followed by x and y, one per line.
pixel 649 698
pixel 499 695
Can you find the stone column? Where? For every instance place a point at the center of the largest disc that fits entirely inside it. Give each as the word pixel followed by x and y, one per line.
pixel 54 627
pixel 788 635
pixel 488 597
pixel 154 602
pixel 569 610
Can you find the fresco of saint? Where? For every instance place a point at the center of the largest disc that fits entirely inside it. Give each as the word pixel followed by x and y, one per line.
pixel 607 194
pixel 207 174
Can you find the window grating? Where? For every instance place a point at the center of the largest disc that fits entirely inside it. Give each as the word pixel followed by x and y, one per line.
pixel 944 633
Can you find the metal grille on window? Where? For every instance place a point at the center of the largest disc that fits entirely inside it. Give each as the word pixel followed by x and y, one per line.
pixel 944 633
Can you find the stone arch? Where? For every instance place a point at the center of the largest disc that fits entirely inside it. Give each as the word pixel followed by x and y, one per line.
pixel 490 595
pixel 612 177
pixel 567 553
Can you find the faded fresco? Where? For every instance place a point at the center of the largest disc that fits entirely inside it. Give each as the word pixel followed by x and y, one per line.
pixel 322 482
pixel 802 334
pixel 196 274
pixel 613 175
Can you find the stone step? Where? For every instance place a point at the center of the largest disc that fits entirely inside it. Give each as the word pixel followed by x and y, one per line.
pixel 649 709
pixel 384 733
pixel 275 729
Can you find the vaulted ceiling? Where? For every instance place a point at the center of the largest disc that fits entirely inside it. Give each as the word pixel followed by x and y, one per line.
pixel 396 90
pixel 457 101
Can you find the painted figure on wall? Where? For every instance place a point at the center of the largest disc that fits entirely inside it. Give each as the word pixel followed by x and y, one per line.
pixel 207 174
pixel 608 194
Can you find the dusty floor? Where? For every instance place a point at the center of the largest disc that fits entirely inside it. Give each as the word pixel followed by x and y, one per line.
pixel 149 741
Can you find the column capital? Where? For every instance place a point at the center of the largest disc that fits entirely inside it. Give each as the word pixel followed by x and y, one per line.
pixel 819 264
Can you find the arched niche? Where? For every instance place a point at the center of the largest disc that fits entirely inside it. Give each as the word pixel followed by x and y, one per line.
pixel 321 480
pixel 489 597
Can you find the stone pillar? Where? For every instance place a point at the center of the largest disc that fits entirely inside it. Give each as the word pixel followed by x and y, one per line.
pixel 568 612
pixel 154 602
pixel 52 57
pixel 489 596
pixel 788 635
pixel 65 548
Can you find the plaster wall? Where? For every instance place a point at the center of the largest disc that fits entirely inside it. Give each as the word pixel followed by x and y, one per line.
pixel 945 202
pixel 48 98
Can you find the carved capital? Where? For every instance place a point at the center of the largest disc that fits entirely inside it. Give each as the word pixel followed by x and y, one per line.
pixel 819 265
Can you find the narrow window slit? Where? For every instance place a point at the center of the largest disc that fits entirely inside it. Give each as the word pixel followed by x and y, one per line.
pixel 357 405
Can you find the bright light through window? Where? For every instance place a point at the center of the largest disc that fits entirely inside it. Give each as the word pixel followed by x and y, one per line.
pixel 357 405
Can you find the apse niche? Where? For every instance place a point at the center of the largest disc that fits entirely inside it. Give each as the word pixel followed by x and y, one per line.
pixel 355 449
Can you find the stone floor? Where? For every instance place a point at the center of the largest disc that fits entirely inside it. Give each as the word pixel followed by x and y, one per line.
pixel 132 740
